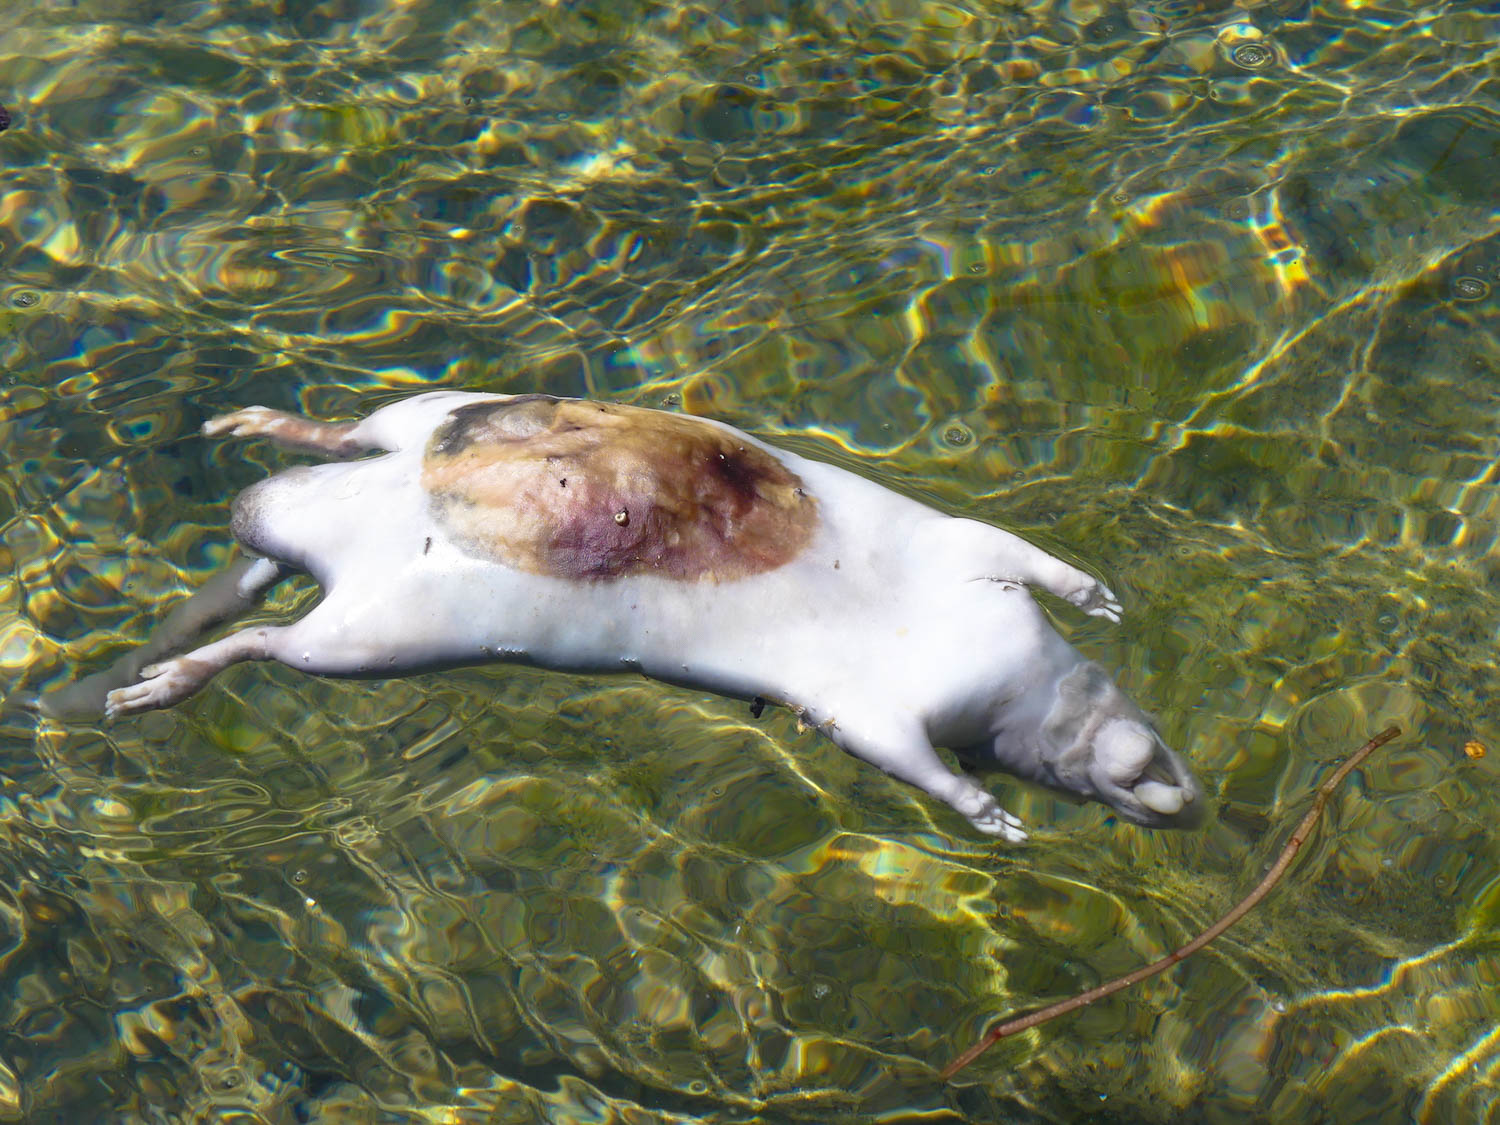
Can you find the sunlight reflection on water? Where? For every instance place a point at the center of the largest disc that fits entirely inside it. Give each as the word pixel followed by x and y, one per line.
pixel 1204 300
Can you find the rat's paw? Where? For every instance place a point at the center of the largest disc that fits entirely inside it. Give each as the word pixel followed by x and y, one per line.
pixel 160 685
pixel 1095 599
pixel 985 813
pixel 252 421
pixel 998 822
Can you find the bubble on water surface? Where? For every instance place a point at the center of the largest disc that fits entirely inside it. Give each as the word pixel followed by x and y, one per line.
pixel 1470 289
pixel 958 435
pixel 1251 56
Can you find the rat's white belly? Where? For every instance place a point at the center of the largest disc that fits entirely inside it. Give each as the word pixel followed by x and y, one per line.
pixel 849 616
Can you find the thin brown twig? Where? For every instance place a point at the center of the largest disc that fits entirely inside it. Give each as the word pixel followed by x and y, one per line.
pixel 1245 905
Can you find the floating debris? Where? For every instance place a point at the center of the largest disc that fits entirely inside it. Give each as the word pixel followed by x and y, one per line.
pixel 1243 907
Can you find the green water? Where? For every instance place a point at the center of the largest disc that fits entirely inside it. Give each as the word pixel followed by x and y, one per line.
pixel 1203 296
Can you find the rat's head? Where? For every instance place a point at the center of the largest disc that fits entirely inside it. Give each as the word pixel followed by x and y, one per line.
pixel 1095 744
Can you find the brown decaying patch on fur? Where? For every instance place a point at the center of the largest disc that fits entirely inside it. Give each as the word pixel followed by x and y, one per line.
pixel 540 484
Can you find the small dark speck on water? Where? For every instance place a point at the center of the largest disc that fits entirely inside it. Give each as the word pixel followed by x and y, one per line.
pixel 757 707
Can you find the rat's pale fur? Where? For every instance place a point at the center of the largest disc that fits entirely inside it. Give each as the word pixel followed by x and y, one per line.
pixel 691 552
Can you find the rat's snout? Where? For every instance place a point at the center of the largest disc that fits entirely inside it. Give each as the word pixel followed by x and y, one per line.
pixel 1096 744
pixel 1138 775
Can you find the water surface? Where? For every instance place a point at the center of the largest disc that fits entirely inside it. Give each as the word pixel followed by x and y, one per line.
pixel 1201 295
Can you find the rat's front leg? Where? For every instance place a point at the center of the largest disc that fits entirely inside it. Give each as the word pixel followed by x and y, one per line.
pixel 903 751
pixel 998 555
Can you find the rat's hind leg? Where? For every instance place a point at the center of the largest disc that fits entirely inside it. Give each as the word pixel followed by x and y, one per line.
pixel 904 752
pixel 305 645
pixel 392 427
pixel 293 431
pixel 227 594
pixel 172 681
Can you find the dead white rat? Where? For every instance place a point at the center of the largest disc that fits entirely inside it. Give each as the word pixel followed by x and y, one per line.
pixel 593 537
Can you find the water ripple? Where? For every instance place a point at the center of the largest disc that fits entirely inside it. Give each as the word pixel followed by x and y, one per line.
pixel 1204 298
